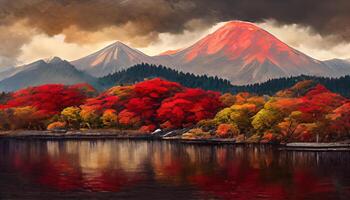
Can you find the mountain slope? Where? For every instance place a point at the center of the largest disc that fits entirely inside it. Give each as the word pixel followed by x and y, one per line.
pixel 342 67
pixel 41 72
pixel 244 54
pixel 113 58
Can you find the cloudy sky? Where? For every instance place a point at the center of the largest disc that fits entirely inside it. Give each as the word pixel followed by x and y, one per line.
pixel 35 29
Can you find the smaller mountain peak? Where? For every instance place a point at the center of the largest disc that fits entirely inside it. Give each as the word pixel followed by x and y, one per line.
pixel 118 44
pixel 54 59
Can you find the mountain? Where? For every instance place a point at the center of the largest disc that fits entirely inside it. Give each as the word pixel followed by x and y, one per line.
pixel 113 58
pixel 10 71
pixel 45 72
pixel 6 72
pixel 340 66
pixel 244 54
pixel 238 51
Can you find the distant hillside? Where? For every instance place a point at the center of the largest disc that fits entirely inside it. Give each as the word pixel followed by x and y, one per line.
pixel 42 72
pixel 270 87
pixel 140 72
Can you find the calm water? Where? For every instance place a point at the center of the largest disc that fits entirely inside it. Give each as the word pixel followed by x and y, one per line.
pixel 123 169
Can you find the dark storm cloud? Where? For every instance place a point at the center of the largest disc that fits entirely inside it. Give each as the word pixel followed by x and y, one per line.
pixel 327 17
pixel 140 21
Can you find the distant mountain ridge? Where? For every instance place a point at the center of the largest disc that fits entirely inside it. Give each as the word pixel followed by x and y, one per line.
pixel 41 72
pixel 342 66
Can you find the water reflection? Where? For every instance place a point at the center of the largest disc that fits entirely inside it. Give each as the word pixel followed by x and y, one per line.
pixel 170 169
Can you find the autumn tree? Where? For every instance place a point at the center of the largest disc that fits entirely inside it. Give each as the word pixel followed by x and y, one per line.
pixel 227 99
pixel 238 115
pixel 33 107
pixel 187 108
pixel 110 118
pixel 339 122
pixel 129 119
pixel 71 115
pixel 227 130
pixel 274 111
pixel 90 116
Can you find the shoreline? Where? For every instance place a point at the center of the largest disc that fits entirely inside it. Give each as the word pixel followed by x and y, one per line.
pixel 105 134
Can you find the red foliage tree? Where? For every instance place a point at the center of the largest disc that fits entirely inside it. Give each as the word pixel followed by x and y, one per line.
pixel 188 107
pixel 318 102
pixel 135 103
pixel 51 98
pixel 340 121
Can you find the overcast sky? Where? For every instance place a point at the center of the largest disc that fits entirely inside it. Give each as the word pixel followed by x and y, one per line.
pixel 70 29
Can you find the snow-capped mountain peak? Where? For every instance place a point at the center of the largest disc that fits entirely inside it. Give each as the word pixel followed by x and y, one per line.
pixel 110 59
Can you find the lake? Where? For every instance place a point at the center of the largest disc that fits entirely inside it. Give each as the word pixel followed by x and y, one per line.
pixel 129 169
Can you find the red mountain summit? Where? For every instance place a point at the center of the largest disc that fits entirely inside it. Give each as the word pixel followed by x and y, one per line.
pixel 244 53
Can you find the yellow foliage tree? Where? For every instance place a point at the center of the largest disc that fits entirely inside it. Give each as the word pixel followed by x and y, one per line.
pixel 71 115
pixel 90 116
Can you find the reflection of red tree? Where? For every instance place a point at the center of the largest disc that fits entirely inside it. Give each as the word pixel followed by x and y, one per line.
pixel 307 184
pixel 60 174
pixel 236 182
pixel 63 175
pixel 112 181
pixel 174 168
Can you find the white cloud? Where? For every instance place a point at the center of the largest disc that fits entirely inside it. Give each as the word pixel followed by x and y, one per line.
pixel 177 41
pixel 43 46
pixel 304 40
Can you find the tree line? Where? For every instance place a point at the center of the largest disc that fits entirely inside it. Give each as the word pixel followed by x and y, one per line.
pixel 146 71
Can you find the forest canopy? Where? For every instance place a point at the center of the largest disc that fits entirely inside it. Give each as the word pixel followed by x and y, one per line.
pixel 303 112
